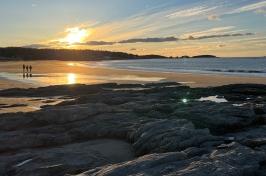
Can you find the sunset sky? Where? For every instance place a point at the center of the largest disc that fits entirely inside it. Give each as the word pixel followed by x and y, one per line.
pixel 165 27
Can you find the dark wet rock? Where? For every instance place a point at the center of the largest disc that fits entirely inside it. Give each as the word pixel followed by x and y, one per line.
pixel 219 118
pixel 260 109
pixel 58 115
pixel 252 137
pixel 169 135
pixel 147 135
pixel 233 160
pixel 247 89
pixel 67 159
pixel 164 108
pixel 175 137
pixel 255 142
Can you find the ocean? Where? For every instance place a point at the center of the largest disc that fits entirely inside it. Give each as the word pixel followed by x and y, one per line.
pixel 225 66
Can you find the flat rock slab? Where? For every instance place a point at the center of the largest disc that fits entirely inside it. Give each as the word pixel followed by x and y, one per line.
pixel 67 159
pixel 228 160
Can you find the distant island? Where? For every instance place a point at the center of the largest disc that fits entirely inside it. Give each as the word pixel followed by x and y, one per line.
pixel 205 56
pixel 198 56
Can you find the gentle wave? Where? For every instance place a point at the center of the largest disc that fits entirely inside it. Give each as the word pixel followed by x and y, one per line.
pixel 237 71
pixel 233 66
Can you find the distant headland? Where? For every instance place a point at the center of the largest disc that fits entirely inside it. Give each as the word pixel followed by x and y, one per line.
pixel 20 53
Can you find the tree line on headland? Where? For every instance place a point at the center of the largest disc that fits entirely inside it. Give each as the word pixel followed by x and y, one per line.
pixel 19 53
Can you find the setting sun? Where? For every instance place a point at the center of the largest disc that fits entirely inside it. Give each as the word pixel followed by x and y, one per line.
pixel 76 35
pixel 71 78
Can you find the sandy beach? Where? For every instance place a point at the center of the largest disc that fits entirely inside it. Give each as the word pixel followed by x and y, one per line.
pixel 66 72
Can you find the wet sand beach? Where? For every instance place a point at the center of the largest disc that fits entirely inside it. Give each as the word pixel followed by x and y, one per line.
pixel 66 72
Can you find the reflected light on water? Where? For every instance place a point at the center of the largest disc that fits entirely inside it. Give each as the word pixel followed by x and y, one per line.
pixel 184 100
pixel 71 78
pixel 70 64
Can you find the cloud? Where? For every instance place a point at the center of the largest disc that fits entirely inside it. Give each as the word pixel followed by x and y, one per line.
pixel 212 31
pixel 37 46
pixel 165 39
pixel 150 40
pixel 98 43
pixel 128 41
pixel 250 7
pixel 213 18
pixel 191 12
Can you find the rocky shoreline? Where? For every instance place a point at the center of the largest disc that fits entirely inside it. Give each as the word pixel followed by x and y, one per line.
pixel 170 129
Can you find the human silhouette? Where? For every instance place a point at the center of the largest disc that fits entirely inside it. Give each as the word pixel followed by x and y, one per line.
pixel 27 68
pixel 30 68
pixel 23 68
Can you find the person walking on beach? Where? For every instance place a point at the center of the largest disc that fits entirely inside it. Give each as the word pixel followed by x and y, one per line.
pixel 30 67
pixel 23 68
pixel 27 69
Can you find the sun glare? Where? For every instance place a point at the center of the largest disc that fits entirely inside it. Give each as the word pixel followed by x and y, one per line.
pixel 71 78
pixel 76 35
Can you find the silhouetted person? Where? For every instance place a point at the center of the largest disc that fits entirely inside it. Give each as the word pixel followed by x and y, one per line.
pixel 27 68
pixel 30 68
pixel 23 68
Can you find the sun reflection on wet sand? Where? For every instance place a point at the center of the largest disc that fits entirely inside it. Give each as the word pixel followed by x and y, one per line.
pixel 71 78
pixel 70 64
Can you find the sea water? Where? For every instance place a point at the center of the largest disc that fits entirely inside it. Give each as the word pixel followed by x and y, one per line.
pixel 227 66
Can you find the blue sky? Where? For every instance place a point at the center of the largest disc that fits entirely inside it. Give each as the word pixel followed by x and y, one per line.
pixel 172 27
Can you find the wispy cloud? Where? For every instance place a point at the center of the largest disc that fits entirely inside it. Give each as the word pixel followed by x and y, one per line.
pixel 261 11
pixel 149 40
pixel 186 27
pixel 250 7
pixel 212 31
pixel 191 12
